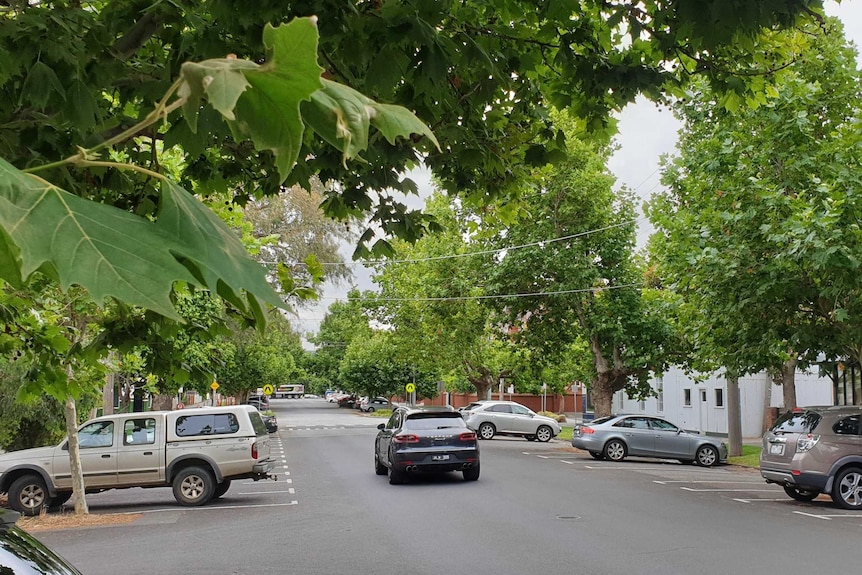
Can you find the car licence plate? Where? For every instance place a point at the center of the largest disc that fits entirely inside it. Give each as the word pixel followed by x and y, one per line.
pixel 439 458
pixel 776 449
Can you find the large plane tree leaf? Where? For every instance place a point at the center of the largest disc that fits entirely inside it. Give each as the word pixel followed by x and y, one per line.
pixel 261 102
pixel 115 254
pixel 342 116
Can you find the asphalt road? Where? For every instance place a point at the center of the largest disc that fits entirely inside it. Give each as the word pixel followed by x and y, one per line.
pixel 537 508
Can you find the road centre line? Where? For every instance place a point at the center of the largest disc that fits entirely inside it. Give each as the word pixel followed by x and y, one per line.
pixel 626 468
pixel 567 462
pixel 758 500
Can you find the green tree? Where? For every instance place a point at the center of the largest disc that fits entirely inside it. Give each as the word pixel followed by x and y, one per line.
pixel 373 366
pixel 758 231
pixel 344 322
pixel 431 296
pixel 571 278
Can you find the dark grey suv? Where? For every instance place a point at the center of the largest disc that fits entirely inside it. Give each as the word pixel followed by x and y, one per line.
pixel 425 439
pixel 816 450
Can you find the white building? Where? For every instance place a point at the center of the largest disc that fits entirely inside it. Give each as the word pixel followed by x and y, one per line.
pixel 702 405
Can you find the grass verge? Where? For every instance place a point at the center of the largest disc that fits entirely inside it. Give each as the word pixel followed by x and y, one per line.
pixel 750 457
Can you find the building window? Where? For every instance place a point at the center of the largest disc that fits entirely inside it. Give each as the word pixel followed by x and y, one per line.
pixel 719 397
pixel 686 397
pixel 622 400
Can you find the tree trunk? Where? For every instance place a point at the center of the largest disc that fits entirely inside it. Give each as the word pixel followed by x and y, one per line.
pixel 788 383
pixel 734 416
pixel 163 402
pixel 602 396
pixel 767 407
pixel 77 471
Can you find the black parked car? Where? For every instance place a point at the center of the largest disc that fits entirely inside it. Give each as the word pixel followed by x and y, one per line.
pixel 23 554
pixel 425 439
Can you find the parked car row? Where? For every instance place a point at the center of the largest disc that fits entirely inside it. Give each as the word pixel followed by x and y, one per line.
pixel 364 403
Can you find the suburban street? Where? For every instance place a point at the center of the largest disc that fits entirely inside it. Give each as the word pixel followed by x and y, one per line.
pixel 537 508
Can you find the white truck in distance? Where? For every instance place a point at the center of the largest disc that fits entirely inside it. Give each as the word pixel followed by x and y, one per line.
pixel 196 451
pixel 290 391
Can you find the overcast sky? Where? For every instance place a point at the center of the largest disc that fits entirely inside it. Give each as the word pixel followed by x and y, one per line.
pixel 645 134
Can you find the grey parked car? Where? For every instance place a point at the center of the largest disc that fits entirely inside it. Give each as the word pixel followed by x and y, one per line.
pixel 490 418
pixel 617 436
pixel 816 450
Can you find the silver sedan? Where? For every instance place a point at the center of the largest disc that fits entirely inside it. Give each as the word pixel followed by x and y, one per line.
pixel 618 436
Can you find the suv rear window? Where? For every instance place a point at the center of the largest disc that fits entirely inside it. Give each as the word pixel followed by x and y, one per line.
pixel 797 422
pixel 207 424
pixel 434 421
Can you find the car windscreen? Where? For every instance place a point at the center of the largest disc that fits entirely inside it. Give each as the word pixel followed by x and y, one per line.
pixel 600 420
pixel 434 421
pixel 797 422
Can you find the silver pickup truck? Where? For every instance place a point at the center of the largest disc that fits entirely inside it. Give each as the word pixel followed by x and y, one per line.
pixel 196 451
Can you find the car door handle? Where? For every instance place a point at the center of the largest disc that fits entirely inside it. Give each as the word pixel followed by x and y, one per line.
pixel 148 452
pixel 106 456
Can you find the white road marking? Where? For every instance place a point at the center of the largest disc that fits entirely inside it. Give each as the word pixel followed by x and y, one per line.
pixel 567 462
pixel 726 490
pixel 666 481
pixel 757 500
pixel 824 517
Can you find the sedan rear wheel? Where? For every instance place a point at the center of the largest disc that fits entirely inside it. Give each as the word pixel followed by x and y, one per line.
pixel 706 456
pixel 544 433
pixel 847 492
pixel 487 430
pixel 615 450
pixel 801 494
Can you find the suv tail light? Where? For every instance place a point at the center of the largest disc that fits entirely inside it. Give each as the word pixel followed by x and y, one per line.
pixel 405 438
pixel 806 442
pixel 254 450
pixel 467 436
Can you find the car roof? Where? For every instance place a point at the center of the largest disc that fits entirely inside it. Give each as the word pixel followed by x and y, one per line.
pixel 430 409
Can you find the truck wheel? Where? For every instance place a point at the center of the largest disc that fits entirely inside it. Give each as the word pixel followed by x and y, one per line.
pixel 221 489
pixel 193 486
pixel 28 495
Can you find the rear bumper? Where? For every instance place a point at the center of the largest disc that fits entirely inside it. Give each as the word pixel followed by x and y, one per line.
pixel 805 480
pixel 425 461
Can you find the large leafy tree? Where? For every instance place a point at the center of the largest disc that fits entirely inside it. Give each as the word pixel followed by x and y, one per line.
pixel 571 278
pixel 758 228
pixel 431 295
pixel 373 366
pixel 344 322
pixel 480 73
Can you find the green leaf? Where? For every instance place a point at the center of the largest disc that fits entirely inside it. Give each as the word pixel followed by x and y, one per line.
pixel 223 262
pixel 39 84
pixel 112 253
pixel 261 102
pixel 342 116
pixel 107 251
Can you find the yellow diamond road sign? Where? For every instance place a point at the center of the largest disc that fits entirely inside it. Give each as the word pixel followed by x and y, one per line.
pixel 410 388
pixel 214 386
pixel 268 389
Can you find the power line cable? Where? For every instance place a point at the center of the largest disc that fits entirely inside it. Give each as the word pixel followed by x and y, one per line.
pixel 482 252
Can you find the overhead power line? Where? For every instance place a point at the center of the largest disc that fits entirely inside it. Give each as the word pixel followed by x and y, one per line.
pixel 482 252
pixel 487 297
